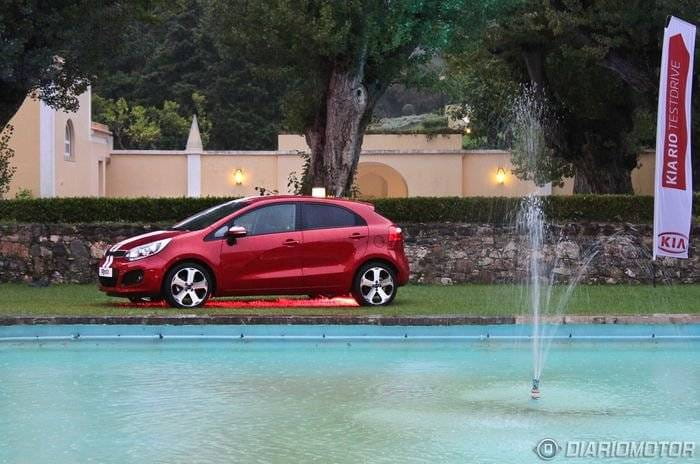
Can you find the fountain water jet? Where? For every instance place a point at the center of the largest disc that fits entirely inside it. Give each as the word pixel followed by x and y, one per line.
pixel 533 161
pixel 546 301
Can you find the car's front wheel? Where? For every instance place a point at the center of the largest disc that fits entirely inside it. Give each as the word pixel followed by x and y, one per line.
pixel 374 284
pixel 187 285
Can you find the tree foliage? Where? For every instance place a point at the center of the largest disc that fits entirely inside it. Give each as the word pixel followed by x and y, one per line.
pixel 52 49
pixel 7 171
pixel 338 58
pixel 533 159
pixel 179 56
pixel 305 40
pixel 597 61
pixel 150 127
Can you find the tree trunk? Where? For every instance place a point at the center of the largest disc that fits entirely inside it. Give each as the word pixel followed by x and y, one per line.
pixel 10 101
pixel 592 176
pixel 636 77
pixel 335 139
pixel 534 58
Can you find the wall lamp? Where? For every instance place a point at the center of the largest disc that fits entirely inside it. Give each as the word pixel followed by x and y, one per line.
pixel 501 176
pixel 238 177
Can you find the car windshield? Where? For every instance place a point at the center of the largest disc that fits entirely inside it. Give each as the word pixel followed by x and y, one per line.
pixel 210 216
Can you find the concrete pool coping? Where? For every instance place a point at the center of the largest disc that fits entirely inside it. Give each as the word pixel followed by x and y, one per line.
pixel 371 320
pixel 340 332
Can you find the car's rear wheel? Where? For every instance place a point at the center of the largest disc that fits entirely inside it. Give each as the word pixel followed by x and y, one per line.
pixel 187 285
pixel 374 284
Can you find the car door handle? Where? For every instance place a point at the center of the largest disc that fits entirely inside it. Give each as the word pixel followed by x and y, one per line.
pixel 357 235
pixel 290 242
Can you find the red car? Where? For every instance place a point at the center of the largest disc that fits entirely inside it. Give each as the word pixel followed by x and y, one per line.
pixel 274 245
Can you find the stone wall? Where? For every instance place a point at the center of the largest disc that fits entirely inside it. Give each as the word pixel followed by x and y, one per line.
pixel 58 252
pixel 612 253
pixel 439 253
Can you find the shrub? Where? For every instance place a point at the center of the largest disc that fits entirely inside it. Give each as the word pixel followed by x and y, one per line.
pixel 602 208
pixel 73 210
pixel 428 123
pixel 7 170
pixel 408 110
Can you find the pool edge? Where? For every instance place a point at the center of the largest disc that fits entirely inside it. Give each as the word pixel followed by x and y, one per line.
pixel 246 319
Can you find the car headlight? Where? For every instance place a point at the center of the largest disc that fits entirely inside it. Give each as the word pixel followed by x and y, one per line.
pixel 149 249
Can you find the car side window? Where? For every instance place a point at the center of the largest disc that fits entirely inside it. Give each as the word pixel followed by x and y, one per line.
pixel 268 219
pixel 317 216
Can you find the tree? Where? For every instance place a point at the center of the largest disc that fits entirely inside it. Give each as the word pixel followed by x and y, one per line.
pixel 625 39
pixel 178 55
pixel 532 158
pixel 150 127
pixel 52 49
pixel 596 62
pixel 7 171
pixel 339 58
pixel 486 87
pixel 484 83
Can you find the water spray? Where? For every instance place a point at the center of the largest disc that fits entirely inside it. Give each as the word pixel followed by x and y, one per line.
pixel 535 392
pixel 531 116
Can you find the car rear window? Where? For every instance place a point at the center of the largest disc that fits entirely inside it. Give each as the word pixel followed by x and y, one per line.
pixel 317 216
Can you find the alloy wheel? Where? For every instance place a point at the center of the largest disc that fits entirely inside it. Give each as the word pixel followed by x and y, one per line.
pixel 189 287
pixel 377 286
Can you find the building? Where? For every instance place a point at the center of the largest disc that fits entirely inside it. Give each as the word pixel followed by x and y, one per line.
pixel 58 153
pixel 66 154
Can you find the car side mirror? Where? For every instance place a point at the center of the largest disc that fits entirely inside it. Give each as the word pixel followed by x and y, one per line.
pixel 235 232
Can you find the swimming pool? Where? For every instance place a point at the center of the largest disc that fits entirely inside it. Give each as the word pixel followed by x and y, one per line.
pixel 361 394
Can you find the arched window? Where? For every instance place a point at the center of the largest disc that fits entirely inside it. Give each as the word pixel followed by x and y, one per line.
pixel 69 142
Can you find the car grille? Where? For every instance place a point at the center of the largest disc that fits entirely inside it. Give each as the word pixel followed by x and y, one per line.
pixel 110 281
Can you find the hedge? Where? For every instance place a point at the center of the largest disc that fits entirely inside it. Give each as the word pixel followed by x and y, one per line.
pixel 75 210
pixel 603 208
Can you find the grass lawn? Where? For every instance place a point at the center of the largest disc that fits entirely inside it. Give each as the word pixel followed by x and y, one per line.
pixel 477 300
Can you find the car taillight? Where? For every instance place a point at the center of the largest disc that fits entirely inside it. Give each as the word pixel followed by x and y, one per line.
pixel 395 240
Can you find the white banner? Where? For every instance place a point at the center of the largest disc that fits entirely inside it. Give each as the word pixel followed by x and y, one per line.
pixel 673 183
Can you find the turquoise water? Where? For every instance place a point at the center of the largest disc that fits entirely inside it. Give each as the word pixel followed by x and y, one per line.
pixel 348 401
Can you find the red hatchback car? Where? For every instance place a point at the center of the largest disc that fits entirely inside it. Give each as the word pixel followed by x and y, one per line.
pixel 274 245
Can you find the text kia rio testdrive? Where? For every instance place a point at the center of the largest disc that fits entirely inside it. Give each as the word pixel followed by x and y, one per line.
pixel 274 245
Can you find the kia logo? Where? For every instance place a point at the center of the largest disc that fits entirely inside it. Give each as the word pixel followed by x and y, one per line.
pixel 673 242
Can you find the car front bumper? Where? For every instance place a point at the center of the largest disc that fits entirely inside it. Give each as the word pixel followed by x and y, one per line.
pixel 141 278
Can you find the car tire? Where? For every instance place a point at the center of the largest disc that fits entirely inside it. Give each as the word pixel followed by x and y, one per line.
pixel 374 284
pixel 187 285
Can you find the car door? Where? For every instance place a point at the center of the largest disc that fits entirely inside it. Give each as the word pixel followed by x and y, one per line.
pixel 334 238
pixel 268 258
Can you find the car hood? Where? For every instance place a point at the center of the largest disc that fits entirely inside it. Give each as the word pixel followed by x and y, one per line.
pixel 132 242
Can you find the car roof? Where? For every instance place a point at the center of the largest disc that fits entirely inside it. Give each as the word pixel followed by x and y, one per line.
pixel 272 198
